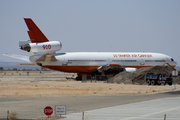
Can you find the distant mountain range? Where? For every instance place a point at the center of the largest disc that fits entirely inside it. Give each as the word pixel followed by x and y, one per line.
pixel 12 65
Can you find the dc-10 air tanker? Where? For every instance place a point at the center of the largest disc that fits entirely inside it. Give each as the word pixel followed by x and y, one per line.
pixel 89 63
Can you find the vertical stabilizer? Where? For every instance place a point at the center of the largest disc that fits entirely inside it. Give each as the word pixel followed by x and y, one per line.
pixel 34 32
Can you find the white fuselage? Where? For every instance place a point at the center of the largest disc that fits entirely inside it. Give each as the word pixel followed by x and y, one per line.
pixel 85 61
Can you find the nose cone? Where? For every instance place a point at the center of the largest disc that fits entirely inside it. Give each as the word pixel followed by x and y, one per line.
pixel 173 63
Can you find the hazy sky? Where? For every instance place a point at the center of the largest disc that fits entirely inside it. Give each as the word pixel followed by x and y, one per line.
pixel 94 25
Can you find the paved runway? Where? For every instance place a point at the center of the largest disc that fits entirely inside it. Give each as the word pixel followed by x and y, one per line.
pixel 32 107
pixel 146 110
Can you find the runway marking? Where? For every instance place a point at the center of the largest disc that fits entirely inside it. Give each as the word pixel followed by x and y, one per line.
pixel 151 114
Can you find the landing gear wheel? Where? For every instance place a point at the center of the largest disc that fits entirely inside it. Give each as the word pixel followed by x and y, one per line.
pixel 153 82
pixel 78 79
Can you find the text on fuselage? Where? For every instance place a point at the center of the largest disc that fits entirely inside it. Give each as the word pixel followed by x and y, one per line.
pixel 132 55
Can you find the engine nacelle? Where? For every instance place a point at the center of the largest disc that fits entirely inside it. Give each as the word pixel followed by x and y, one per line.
pixel 130 69
pixel 42 47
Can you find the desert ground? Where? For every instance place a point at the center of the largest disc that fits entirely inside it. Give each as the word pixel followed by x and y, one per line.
pixel 26 93
pixel 51 83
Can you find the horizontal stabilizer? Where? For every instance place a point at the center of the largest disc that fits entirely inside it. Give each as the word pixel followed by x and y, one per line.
pixel 20 57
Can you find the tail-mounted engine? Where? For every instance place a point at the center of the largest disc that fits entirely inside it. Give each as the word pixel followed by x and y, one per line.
pixel 41 47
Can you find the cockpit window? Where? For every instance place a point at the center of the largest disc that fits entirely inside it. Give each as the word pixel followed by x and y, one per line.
pixel 172 59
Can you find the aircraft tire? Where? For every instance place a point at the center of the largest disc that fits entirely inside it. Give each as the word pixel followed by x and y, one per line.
pixel 78 79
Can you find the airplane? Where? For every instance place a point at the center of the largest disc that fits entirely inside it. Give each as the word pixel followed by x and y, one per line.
pixel 89 63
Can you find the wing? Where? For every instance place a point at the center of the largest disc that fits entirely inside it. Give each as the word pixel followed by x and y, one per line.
pixel 108 67
pixel 20 57
pixel 116 67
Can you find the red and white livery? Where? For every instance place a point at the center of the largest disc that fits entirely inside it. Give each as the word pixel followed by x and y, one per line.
pixel 84 62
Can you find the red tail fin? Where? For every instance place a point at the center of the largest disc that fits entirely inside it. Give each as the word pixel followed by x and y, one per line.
pixel 34 32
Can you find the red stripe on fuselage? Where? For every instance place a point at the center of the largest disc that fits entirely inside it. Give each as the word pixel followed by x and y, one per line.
pixel 73 69
pixel 82 69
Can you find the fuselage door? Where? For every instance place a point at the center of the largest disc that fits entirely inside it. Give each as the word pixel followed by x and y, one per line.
pixel 108 61
pixel 142 62
pixel 167 60
pixel 64 62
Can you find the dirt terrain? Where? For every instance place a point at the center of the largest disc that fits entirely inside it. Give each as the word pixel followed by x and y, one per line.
pixel 52 84
pixel 138 77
